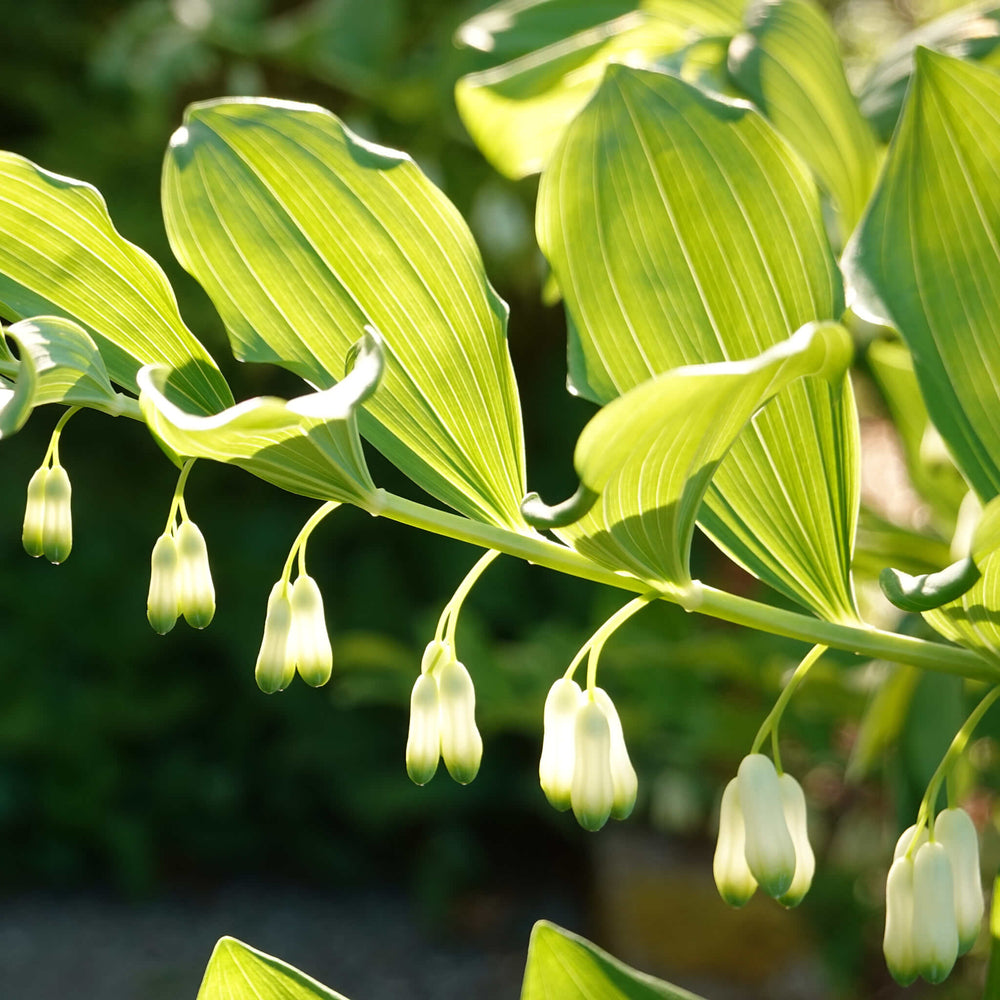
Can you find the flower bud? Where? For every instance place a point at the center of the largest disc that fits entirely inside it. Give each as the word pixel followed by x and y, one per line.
pixel 34 513
pixel 770 852
pixel 310 640
pixel 733 877
pixel 195 590
pixel 935 933
pixel 461 744
pixel 794 803
pixel 897 943
pixel 161 604
pixel 436 655
pixel 955 832
pixel 592 793
pixel 623 777
pixel 906 839
pixel 423 744
pixel 275 662
pixel 555 769
pixel 57 523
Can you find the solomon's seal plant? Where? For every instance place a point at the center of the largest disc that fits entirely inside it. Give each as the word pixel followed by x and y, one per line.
pixel 717 224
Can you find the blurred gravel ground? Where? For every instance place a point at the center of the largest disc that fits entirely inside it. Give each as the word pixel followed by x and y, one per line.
pixel 364 945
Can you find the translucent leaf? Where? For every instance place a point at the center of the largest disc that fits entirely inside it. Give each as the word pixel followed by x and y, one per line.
pixel 926 258
pixel 18 385
pixel 562 964
pixel 308 445
pixel 682 229
pixel 650 454
pixel 301 233
pixel 60 254
pixel 972 32
pixel 516 111
pixel 68 367
pixel 238 972
pixel 788 61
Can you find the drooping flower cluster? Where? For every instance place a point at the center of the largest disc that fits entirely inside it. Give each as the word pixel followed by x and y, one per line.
pixel 763 838
pixel 443 719
pixel 180 579
pixel 48 518
pixel 585 764
pixel 295 637
pixel 934 898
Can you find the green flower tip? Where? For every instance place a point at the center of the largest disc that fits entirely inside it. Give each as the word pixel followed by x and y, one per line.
pixel 48 517
pixel 180 579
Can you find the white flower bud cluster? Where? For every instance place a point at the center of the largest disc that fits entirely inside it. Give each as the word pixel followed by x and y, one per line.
pixel 295 637
pixel 48 518
pixel 443 719
pixel 763 838
pixel 933 899
pixel 585 764
pixel 180 579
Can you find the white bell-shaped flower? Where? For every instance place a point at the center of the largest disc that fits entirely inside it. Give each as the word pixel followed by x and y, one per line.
pixel 733 877
pixel 956 833
pixel 162 605
pixel 34 514
pixel 623 776
pixel 423 744
pixel 436 654
pixel 906 840
pixel 794 803
pixel 310 640
pixel 555 768
pixel 461 744
pixel 57 525
pixel 592 793
pixel 897 942
pixel 195 590
pixel 935 932
pixel 276 661
pixel 770 851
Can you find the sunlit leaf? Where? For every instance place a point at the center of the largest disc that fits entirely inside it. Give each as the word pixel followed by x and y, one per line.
pixel 564 965
pixel 301 233
pixel 788 61
pixel 926 258
pixel 682 229
pixel 974 620
pixel 971 32
pixel 516 111
pixel 18 384
pixel 308 445
pixel 61 255
pixel 649 455
pixel 66 366
pixel 238 972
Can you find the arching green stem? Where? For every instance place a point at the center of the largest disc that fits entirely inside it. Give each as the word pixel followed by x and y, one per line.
pixel 770 724
pixel 448 621
pixel 301 539
pixel 52 452
pixel 177 503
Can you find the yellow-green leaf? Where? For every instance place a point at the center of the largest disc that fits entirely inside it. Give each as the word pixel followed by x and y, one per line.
pixel 926 257
pixel 60 254
pixel 301 233
pixel 683 229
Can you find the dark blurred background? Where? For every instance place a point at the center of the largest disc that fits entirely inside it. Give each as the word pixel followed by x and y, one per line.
pixel 153 799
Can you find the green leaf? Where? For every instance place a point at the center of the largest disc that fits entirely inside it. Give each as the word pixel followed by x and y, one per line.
pixel 18 384
pixel 682 229
pixel 926 258
pixel 973 620
pixel 972 32
pixel 238 972
pixel 67 366
pixel 307 445
pixel 564 965
pixel 61 255
pixel 302 233
pixel 517 111
pixel 648 456
pixel 788 61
